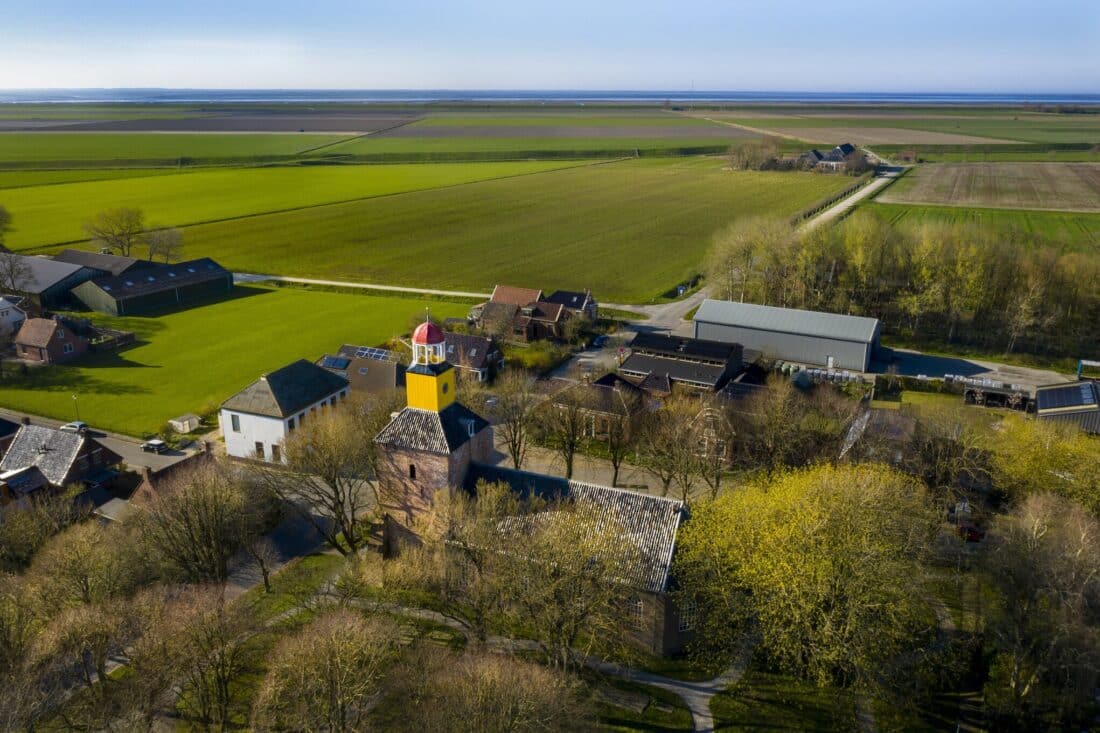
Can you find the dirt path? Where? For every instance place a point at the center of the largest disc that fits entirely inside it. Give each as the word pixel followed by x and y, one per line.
pixel 842 207
pixel 244 277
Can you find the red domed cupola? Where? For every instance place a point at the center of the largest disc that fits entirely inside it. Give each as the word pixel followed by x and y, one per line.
pixel 427 334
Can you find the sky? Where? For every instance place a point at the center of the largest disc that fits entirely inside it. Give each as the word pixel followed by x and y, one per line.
pixel 722 45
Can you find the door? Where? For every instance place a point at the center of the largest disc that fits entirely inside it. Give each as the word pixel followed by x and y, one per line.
pixel 829 363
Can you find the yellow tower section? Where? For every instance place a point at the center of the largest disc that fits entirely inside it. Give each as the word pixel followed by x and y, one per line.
pixel 429 380
pixel 430 387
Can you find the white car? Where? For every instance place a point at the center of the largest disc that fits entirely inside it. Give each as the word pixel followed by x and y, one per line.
pixel 74 427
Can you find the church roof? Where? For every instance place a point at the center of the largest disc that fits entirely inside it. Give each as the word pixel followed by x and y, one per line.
pixel 433 432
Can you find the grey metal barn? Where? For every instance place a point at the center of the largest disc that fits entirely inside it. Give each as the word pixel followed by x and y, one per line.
pixel 805 337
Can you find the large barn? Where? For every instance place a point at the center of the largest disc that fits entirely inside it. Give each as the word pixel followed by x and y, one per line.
pixel 805 337
pixel 1074 402
pixel 155 288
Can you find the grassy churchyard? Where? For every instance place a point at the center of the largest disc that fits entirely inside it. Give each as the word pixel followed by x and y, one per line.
pixel 191 360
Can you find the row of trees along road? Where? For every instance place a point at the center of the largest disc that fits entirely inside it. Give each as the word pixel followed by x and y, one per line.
pixel 931 282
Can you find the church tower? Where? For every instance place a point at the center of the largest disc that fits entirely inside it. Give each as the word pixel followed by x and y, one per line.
pixel 428 446
pixel 430 379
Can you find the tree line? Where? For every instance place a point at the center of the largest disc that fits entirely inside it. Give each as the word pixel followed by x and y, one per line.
pixel 931 282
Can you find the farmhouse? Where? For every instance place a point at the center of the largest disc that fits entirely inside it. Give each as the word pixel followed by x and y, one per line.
pixel 39 456
pixel 256 420
pixel 610 401
pixel 368 370
pixel 580 304
pixel 48 282
pixel 1073 402
pixel 694 363
pixel 804 337
pixel 479 357
pixel 522 314
pixel 106 264
pixel 155 287
pixel 11 315
pixel 52 340
pixel 437 445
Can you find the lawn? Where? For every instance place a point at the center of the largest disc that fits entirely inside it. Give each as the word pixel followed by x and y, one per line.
pixel 1075 231
pixel 629 230
pixel 47 215
pixel 1051 186
pixel 84 147
pixel 777 702
pixel 192 360
pixel 24 178
pixel 602 146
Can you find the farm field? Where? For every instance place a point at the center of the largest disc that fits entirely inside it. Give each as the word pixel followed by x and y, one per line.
pixel 603 145
pixel 970 128
pixel 24 178
pixel 1076 231
pixel 86 147
pixel 48 215
pixel 190 361
pixel 629 230
pixel 1051 186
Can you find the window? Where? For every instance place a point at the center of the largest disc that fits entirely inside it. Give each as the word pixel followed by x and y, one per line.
pixel 362 370
pixel 301 419
pixel 446 387
pixel 275 453
pixel 61 333
pixel 636 612
pixel 412 471
pixel 235 420
pixel 68 348
pixel 259 450
pixel 290 424
pixel 687 613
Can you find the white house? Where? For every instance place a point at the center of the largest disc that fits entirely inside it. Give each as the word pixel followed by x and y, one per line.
pixel 257 420
pixel 11 315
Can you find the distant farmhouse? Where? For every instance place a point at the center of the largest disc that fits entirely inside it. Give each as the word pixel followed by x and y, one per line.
pixel 580 304
pixel 835 159
pixel 524 314
pixel 804 337
pixel 256 420
pixel 155 286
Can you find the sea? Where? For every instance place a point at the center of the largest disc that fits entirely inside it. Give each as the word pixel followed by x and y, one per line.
pixel 531 96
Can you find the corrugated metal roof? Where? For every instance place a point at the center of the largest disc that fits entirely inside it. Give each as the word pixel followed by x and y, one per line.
pixel 45 273
pixel 788 320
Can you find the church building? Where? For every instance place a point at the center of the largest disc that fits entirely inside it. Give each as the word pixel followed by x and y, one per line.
pixel 436 445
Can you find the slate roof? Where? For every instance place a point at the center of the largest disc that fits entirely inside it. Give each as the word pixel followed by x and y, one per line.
pixel 515 296
pixel 24 481
pixel 466 350
pixel 656 383
pixel 432 432
pixel 788 320
pixel 569 298
pixel 543 311
pixel 52 451
pixel 110 264
pixel 366 369
pixel 286 391
pixel 678 347
pixel 649 522
pixel 36 332
pixel 45 273
pixel 703 375
pixel 157 278
pixel 498 316
pixel 612 393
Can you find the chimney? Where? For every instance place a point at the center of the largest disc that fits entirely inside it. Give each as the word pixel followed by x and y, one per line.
pixel 25 420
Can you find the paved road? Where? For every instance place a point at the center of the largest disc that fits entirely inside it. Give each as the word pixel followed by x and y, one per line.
pixel 127 447
pixel 879 182
pixel 244 277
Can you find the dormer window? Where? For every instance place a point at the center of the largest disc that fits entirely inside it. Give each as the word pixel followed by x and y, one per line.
pixel 129 284
pixel 61 333
pixel 152 279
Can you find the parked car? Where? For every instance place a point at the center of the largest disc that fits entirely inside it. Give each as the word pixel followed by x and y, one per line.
pixel 102 480
pixel 156 445
pixel 74 427
pixel 599 342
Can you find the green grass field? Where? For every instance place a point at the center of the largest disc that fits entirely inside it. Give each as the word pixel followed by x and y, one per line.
pixel 629 230
pixel 776 702
pixel 1076 232
pixel 25 178
pixel 78 147
pixel 578 146
pixel 192 360
pixel 47 215
pixel 600 118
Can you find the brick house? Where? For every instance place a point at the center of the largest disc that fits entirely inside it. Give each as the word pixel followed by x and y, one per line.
pixel 478 357
pixel 522 314
pixel 578 303
pixel 51 340
pixel 39 457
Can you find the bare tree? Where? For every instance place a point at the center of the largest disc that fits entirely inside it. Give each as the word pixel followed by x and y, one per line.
pixel 199 520
pixel 165 242
pixel 622 418
pixel 263 553
pixel 510 405
pixel 564 423
pixel 15 273
pixel 325 677
pixel 666 444
pixel 330 473
pixel 119 230
pixel 87 563
pixel 5 226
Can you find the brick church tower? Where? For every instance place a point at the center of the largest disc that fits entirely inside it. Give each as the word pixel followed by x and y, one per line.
pixel 428 446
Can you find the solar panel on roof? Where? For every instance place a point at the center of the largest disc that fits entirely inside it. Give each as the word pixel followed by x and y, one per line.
pixel 1073 395
pixel 367 352
pixel 335 362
